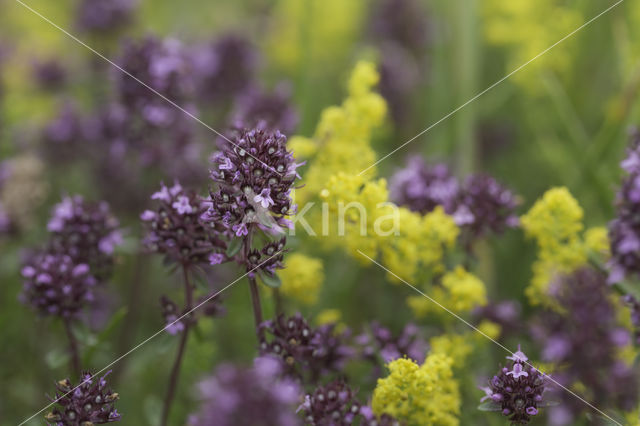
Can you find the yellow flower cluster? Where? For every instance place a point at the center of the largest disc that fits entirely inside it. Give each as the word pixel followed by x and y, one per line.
pixel 459 291
pixel 344 132
pixel 421 243
pixel 302 278
pixel 555 222
pixel 528 28
pixel 459 346
pixel 419 395
pixel 313 33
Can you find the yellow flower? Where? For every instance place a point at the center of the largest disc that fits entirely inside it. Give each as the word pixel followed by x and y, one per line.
pixel 528 28
pixel 419 395
pixel 459 292
pixel 555 222
pixel 456 346
pixel 328 316
pixel 302 278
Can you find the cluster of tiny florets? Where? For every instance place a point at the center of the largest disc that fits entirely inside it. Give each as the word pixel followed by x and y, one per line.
pixel 91 402
pixel 624 230
pixel 334 404
pixel 87 232
pixel 176 231
pixel 517 389
pixel 55 285
pixel 255 176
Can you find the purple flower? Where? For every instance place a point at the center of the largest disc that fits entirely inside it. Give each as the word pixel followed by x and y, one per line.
pixel 175 228
pixel 379 342
pixel 49 74
pixel 257 108
pixel 624 230
pixel 224 68
pixel 334 404
pixel 252 396
pixel 89 403
pixel 259 191
pixel 584 338
pixel 303 350
pixel 216 258
pixel 87 232
pixel 55 285
pixel 101 16
pixel 517 390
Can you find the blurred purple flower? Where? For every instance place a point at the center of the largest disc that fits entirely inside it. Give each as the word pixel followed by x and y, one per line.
pixel 92 402
pixel 584 339
pixel 101 16
pixel 87 232
pixel 272 110
pixel 379 341
pixel 49 74
pixel 224 68
pixel 624 230
pixel 253 396
pixel 55 285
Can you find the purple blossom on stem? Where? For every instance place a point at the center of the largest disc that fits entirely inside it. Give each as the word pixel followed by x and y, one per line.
pixel 334 404
pixel 87 232
pixel 380 342
pixel 305 352
pixel 55 285
pixel 175 229
pixel 271 110
pixel 255 175
pixel 252 396
pixel 91 402
pixel 517 390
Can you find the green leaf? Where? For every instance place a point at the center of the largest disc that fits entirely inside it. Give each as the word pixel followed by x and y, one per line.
pixel 57 358
pixel 489 406
pixel 234 246
pixel 271 280
pixel 105 335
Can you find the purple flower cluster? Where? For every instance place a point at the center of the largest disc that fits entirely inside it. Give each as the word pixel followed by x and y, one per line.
pixel 400 29
pixel 305 350
pixel 269 258
pixel 271 110
pixel 49 74
pixel 584 340
pixel 170 313
pixel 380 342
pixel 87 232
pixel 480 205
pixel 55 285
pixel 517 390
pixel 223 69
pixel 87 404
pixel 334 404
pixel 62 137
pixel 255 176
pixel 634 305
pixel 175 228
pixel 255 396
pixel 101 16
pixel 624 230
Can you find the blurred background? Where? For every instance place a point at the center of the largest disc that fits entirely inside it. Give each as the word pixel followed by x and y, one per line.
pixel 68 126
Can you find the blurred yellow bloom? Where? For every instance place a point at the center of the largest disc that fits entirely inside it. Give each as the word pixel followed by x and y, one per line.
pixel 528 28
pixel 555 222
pixel 328 316
pixel 419 395
pixel 302 278
pixel 456 346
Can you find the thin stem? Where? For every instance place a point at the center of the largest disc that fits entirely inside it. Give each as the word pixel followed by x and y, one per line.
pixel 253 287
pixel 277 297
pixel 175 371
pixel 73 349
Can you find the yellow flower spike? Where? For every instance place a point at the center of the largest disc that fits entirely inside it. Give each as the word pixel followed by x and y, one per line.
pixel 302 278
pixel 302 147
pixel 456 346
pixel 597 240
pixel 419 395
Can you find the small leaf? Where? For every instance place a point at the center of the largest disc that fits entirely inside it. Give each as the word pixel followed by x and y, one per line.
pixel 489 406
pixel 271 280
pixel 57 358
pixel 234 247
